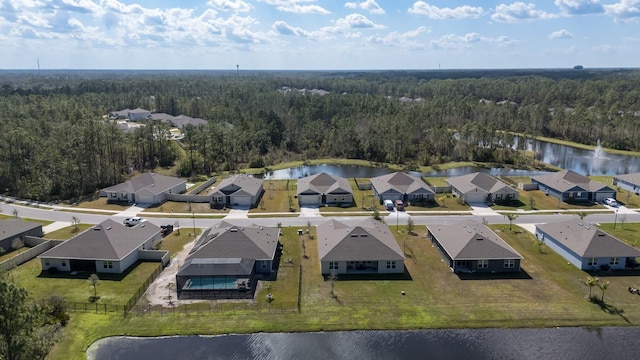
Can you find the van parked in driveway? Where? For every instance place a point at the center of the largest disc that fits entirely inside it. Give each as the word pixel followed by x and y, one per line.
pixel 388 204
pixel 399 205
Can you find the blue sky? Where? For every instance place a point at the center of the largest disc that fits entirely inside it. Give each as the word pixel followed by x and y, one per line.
pixel 318 34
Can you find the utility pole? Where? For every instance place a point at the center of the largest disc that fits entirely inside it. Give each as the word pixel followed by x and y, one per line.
pixel 193 216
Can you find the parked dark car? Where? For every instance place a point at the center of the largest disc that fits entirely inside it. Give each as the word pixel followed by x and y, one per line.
pixel 166 230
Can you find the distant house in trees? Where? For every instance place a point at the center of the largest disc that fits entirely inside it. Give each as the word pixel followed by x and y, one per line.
pixel 136 114
pixel 237 190
pixel 367 247
pixel 401 186
pixel 481 187
pixel 472 247
pixel 109 247
pixel 323 188
pixel 149 188
pixel 586 246
pixel 570 186
pixel 12 230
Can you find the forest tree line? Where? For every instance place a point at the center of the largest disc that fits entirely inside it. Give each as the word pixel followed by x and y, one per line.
pixel 57 144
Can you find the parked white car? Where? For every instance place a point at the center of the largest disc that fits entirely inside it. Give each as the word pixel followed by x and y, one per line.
pixel 133 221
pixel 610 202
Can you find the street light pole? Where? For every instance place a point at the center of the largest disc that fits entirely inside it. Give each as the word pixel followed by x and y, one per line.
pixel 615 220
pixel 397 220
pixel 193 216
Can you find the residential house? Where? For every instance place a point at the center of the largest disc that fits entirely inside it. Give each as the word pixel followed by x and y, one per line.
pixel 401 186
pixel 570 186
pixel 138 114
pixel 13 232
pixel 629 182
pixel 227 261
pixel 181 121
pixel 109 247
pixel 148 188
pixel 237 190
pixel 469 247
pixel 122 114
pixel 481 188
pixel 586 246
pixel 323 189
pixel 367 247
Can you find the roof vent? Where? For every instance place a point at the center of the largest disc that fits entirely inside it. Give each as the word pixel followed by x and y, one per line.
pixel 98 228
pixel 479 239
pixel 363 235
pixel 142 225
pixel 233 229
pixel 109 228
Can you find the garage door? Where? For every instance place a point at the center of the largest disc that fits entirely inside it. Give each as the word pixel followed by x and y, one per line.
pixel 241 201
pixel 309 199
pixel 475 197
pixel 145 198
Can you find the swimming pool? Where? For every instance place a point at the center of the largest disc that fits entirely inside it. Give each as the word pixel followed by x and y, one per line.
pixel 227 282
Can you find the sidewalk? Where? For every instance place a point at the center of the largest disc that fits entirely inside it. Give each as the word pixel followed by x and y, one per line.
pixel 55 226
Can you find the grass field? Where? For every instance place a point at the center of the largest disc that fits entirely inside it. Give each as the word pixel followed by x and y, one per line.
pixel 548 292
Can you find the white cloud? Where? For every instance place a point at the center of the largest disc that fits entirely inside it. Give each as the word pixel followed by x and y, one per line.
pixel 293 6
pixel 436 13
pixel 459 42
pixel 357 21
pixel 519 12
pixel 230 5
pixel 368 5
pixel 283 28
pixel 561 34
pixel 624 11
pixel 407 39
pixel 579 7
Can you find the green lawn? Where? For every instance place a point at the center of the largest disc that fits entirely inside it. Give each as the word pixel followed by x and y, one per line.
pixel 43 222
pixel 549 292
pixel 278 196
pixel 113 289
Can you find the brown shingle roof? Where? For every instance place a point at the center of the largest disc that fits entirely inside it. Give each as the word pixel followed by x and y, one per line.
pixel 587 241
pixel 568 179
pixel 630 178
pixel 470 240
pixel 400 182
pixel 324 183
pixel 480 180
pixel 368 240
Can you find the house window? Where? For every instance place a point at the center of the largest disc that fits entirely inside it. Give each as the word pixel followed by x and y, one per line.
pixel 592 262
pixel 108 264
pixel 391 264
pixel 114 195
pixel 263 264
pixel 63 264
pixel 333 265
pixel 509 263
pixel 483 264
pixel 614 261
pixel 46 263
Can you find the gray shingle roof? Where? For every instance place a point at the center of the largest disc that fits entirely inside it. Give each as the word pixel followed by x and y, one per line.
pixel 470 240
pixel 568 179
pixel 181 121
pixel 108 240
pixel 588 241
pixel 154 183
pixel 400 182
pixel 11 227
pixel 479 180
pixel 324 183
pixel 630 178
pixel 226 241
pixel 368 240
pixel 243 184
pixel 216 267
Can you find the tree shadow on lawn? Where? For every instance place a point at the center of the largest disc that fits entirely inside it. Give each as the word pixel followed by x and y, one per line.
pixel 521 275
pixel 610 309
pixel 406 276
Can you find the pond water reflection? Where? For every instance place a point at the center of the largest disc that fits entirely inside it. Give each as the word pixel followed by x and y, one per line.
pixel 539 344
pixel 585 162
